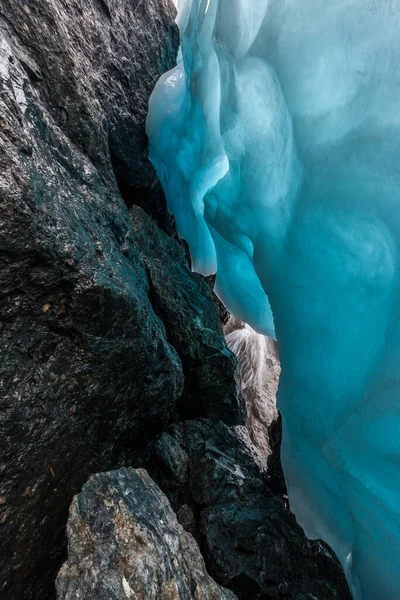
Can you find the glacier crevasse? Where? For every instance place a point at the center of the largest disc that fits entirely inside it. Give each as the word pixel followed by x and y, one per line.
pixel 277 141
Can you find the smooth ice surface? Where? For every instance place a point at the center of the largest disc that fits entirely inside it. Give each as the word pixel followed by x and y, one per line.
pixel 277 139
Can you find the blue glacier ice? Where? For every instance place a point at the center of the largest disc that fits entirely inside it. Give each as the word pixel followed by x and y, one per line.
pixel 277 140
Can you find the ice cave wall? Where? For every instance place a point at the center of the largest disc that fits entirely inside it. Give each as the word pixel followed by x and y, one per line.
pixel 277 141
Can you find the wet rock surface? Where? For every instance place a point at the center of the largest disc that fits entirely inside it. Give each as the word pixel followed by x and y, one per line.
pixel 250 541
pixel 88 68
pixel 184 302
pixel 87 373
pixel 125 542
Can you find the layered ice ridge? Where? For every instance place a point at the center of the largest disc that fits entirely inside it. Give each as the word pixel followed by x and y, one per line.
pixel 277 141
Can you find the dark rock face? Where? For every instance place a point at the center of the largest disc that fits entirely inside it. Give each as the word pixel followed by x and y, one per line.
pixel 222 310
pixel 125 542
pixel 88 67
pixel 275 470
pixel 87 372
pixel 250 540
pixel 184 302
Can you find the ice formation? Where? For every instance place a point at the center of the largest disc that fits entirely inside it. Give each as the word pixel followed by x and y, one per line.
pixel 277 139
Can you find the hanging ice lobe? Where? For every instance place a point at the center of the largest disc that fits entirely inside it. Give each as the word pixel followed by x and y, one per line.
pixel 277 140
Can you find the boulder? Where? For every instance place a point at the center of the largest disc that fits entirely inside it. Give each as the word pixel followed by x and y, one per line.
pixel 125 542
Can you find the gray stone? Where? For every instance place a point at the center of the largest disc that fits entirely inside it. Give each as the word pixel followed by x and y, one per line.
pixel 125 542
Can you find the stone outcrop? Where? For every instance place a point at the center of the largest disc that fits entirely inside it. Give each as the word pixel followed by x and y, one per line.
pixel 125 542
pixel 259 369
pixel 216 481
pixel 184 303
pixel 88 371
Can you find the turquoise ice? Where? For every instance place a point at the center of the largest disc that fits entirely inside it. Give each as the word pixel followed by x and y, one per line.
pixel 277 140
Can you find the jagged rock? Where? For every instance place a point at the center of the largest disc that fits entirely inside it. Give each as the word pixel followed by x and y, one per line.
pixel 86 369
pixel 224 315
pixel 251 542
pixel 125 542
pixel 184 302
pixel 275 470
pixel 259 369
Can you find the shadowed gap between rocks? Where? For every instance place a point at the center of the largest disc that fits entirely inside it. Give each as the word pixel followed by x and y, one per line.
pixel 148 195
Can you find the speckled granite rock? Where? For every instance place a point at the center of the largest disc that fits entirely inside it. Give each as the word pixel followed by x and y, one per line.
pixel 125 542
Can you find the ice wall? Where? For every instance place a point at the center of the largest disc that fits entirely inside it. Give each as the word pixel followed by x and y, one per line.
pixel 277 139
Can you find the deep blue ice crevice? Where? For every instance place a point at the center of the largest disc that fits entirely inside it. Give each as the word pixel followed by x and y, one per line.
pixel 277 140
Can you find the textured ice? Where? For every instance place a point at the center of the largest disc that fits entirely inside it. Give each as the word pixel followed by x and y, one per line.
pixel 277 139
